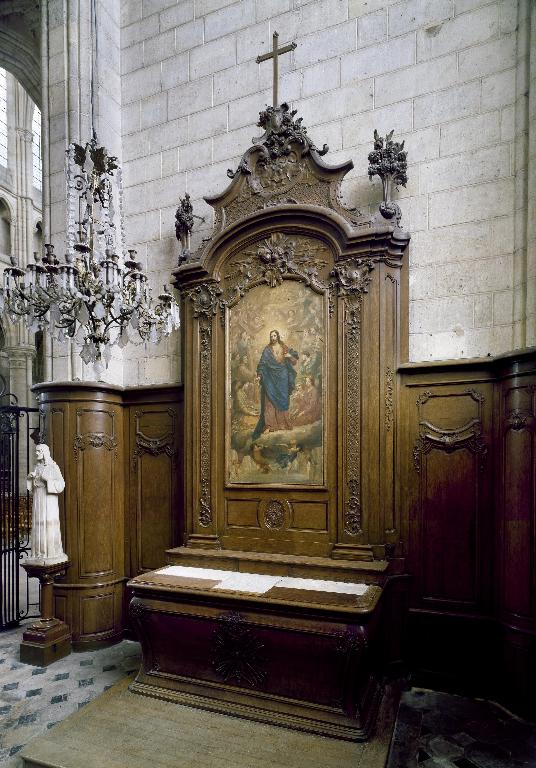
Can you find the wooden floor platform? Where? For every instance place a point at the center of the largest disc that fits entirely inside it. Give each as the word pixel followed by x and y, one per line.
pixel 123 730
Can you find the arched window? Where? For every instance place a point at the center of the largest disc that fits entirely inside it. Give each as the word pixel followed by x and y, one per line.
pixel 38 237
pixel 36 149
pixel 38 365
pixel 3 118
pixel 5 228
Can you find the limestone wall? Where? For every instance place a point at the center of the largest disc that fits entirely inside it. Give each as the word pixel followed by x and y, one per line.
pixel 450 76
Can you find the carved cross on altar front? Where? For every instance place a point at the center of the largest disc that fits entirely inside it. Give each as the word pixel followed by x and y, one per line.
pixel 274 54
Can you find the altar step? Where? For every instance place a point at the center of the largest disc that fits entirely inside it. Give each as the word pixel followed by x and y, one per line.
pixel 120 729
pixel 368 571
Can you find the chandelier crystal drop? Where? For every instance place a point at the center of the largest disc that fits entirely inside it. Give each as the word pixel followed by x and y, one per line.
pixel 95 297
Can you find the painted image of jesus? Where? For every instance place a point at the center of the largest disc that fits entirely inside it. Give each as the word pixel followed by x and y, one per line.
pixel 276 376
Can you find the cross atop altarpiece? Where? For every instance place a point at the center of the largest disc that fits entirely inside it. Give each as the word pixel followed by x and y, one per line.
pixel 274 54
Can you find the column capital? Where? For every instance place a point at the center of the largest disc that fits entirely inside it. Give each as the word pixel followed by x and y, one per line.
pixel 24 134
pixel 17 356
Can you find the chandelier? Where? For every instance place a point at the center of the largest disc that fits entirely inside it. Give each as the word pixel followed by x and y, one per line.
pixel 96 297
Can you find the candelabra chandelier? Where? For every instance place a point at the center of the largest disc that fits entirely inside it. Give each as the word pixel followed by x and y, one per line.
pixel 96 297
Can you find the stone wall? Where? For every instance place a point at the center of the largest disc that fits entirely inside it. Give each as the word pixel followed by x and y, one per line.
pixel 450 76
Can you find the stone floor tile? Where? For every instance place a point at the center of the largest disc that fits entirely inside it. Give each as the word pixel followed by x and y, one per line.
pixel 39 671
pixel 442 747
pixel 490 756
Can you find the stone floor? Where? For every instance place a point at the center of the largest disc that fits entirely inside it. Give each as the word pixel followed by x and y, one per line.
pixel 434 730
pixel 34 699
pixel 439 730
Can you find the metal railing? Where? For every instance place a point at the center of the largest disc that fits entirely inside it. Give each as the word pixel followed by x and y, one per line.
pixel 16 426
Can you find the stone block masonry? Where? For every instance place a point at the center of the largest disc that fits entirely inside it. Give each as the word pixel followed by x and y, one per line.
pixel 444 74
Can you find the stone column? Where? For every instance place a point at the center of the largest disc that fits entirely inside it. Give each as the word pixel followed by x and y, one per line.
pixel 525 178
pixel 20 380
pixel 68 44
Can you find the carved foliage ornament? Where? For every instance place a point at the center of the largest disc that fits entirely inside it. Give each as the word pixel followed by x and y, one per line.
pixel 350 642
pixel 154 446
pixel 281 131
pixel 389 414
pixel 94 440
pixel 206 300
pixel 388 160
pixel 351 280
pixel 518 419
pixel 270 262
pixel 238 653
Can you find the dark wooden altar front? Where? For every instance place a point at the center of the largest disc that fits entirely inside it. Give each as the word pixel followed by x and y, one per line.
pixel 315 499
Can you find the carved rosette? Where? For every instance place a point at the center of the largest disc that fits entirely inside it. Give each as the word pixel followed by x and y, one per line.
pixel 351 280
pixel 274 515
pixel 206 300
pixel 238 653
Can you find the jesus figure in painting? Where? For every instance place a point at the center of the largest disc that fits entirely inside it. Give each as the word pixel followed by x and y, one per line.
pixel 277 379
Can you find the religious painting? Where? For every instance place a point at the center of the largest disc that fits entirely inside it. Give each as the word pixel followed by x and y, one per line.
pixel 275 380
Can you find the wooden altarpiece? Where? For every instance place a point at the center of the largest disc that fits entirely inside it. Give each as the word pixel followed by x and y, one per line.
pixel 313 497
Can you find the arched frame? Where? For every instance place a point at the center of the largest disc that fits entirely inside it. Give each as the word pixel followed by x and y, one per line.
pixel 281 220
pixel 363 293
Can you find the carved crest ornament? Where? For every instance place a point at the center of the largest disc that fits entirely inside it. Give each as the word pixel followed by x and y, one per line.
pixel 283 166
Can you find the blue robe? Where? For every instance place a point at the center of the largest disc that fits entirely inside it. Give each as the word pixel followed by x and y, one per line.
pixel 277 383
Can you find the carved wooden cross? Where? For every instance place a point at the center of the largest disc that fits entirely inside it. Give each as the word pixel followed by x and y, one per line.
pixel 274 54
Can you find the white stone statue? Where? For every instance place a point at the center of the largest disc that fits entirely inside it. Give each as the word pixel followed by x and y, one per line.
pixel 45 482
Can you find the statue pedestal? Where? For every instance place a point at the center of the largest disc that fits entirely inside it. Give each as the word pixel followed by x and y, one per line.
pixel 47 639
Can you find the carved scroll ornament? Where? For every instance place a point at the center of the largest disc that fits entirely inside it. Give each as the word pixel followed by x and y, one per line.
pixel 154 446
pixel 449 440
pixel 94 440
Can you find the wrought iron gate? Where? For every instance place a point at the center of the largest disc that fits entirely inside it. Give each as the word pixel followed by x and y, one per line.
pixel 16 426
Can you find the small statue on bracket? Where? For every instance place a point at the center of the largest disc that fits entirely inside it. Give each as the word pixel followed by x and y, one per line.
pixel 184 223
pixel 388 160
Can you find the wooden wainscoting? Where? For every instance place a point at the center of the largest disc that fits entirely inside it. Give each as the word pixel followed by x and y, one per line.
pixel 154 510
pixel 119 452
pixel 467 463
pixel 84 428
pixel 515 494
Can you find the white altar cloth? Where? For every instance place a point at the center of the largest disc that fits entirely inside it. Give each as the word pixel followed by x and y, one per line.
pixel 259 584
